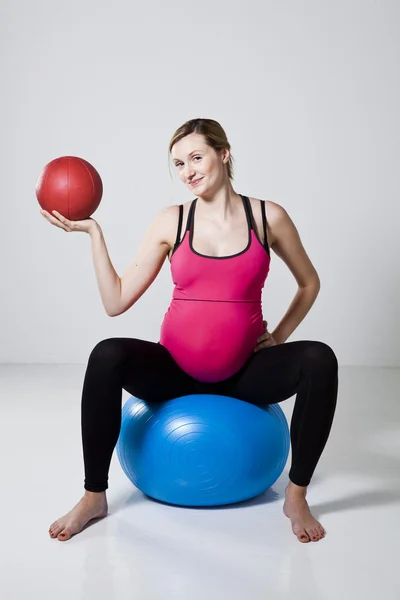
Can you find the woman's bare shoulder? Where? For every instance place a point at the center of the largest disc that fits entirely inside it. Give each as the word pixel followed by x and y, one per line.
pixel 273 213
pixel 168 218
pixel 272 209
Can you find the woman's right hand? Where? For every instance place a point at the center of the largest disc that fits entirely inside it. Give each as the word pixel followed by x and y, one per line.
pixel 87 225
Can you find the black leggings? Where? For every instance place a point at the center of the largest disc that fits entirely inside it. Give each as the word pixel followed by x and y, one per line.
pixel 148 371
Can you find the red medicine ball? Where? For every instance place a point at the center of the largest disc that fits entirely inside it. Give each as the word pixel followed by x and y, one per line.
pixel 70 185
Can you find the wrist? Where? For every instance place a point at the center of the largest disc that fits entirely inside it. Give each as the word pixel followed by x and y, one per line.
pixel 94 229
pixel 279 338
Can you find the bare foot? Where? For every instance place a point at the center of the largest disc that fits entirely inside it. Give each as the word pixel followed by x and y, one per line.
pixel 92 505
pixel 304 525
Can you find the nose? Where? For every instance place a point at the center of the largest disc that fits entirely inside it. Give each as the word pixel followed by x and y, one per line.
pixel 189 173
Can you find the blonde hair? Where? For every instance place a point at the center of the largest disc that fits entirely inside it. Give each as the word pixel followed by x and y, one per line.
pixel 214 135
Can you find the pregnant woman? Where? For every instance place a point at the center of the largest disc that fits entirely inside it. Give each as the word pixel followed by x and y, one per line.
pixel 213 339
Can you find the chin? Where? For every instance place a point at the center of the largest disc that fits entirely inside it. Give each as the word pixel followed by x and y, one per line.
pixel 196 189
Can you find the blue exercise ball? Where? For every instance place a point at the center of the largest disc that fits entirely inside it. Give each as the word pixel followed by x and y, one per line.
pixel 202 449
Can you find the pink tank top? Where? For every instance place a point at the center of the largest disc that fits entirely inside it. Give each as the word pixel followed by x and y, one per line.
pixel 215 316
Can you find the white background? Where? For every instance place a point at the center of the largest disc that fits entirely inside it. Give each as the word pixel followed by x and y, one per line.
pixel 308 94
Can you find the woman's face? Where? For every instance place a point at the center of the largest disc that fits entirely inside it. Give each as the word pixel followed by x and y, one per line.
pixel 199 166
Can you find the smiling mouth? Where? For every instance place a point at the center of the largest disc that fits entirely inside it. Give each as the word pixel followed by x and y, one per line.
pixel 196 181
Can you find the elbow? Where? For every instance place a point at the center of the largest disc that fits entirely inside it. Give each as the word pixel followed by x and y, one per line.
pixel 117 311
pixel 313 283
pixel 316 283
pixel 122 307
pixel 315 286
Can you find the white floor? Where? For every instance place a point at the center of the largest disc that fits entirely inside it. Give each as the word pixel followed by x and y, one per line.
pixel 146 550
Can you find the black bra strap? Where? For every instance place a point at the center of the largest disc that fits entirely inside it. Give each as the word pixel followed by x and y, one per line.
pixel 248 211
pixel 190 215
pixel 178 235
pixel 264 221
pixel 252 223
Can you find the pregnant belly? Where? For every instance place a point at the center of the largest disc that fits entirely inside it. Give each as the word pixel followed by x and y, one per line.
pixel 211 341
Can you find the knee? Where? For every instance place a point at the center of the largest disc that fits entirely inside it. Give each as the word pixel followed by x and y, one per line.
pixel 321 356
pixel 107 353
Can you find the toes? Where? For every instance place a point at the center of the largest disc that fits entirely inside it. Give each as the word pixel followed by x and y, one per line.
pixel 64 535
pixel 53 526
pixel 55 530
pixel 303 537
pixel 315 534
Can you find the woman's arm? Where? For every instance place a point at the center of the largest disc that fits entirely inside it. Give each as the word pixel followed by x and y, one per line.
pixel 286 243
pixel 118 294
pixel 108 281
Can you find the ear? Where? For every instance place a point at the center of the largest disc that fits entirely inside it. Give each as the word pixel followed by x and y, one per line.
pixel 225 155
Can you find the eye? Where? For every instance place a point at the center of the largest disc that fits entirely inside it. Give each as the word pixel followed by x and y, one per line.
pixel 180 163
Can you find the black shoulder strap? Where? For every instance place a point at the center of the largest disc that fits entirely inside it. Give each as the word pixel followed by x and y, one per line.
pixel 178 235
pixel 190 215
pixel 264 220
pixel 249 212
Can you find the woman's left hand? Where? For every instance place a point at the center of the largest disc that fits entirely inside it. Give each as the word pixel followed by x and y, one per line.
pixel 265 340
